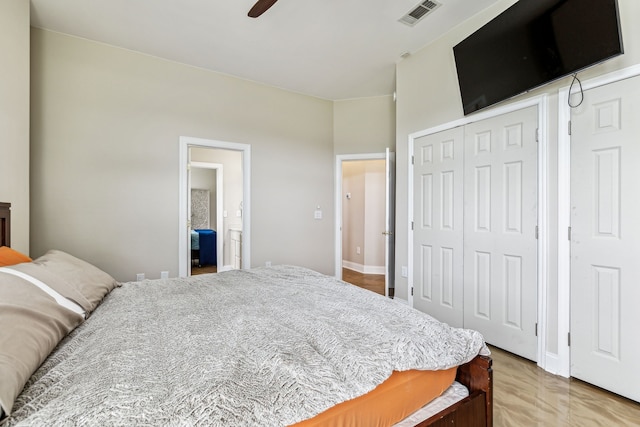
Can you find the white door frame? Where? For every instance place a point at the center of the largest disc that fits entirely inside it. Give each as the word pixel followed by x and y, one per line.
pixel 541 102
pixel 340 158
pixel 563 363
pixel 185 143
pixel 219 208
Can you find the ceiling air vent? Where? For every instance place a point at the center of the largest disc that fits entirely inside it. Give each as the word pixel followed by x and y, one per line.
pixel 419 12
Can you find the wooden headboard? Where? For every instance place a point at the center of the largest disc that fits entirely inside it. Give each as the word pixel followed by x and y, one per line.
pixel 5 224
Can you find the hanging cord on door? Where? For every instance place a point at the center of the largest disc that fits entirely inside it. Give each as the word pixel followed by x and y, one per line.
pixel 575 77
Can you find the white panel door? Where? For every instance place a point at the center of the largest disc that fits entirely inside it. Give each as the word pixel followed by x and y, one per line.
pixel 605 238
pixel 500 217
pixel 437 235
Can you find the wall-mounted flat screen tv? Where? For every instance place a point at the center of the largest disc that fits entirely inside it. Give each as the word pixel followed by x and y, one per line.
pixel 532 43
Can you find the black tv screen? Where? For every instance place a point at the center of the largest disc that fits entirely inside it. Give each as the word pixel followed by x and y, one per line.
pixel 532 43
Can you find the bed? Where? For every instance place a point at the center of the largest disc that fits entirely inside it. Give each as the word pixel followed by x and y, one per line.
pixel 268 346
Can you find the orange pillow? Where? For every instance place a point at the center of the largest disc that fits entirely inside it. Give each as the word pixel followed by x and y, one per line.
pixel 9 256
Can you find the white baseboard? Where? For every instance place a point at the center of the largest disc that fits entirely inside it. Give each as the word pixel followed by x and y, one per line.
pixel 401 301
pixel 364 269
pixel 552 363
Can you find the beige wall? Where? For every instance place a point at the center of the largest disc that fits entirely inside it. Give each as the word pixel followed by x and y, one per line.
pixel 106 124
pixel 14 117
pixel 353 211
pixel 424 103
pixel 364 125
pixel 374 219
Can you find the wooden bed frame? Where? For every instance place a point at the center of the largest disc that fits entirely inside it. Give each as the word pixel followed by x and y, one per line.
pixel 5 224
pixel 476 410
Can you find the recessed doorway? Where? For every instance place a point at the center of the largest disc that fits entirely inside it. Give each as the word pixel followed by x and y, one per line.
pixel 365 220
pixel 231 163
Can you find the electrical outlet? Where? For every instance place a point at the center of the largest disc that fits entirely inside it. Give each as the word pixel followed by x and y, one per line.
pixel 164 274
pixel 358 250
pixel 267 264
pixel 405 272
pixel 139 277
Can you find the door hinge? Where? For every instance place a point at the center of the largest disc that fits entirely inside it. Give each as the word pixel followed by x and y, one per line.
pixel 569 127
pixel 412 291
pixel 537 135
pixel 536 329
pixel 569 339
pixel 413 159
pixel 411 225
pixel 536 232
pixel 569 234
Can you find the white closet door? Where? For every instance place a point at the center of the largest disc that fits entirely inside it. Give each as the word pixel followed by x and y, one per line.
pixel 500 246
pixel 605 238
pixel 437 247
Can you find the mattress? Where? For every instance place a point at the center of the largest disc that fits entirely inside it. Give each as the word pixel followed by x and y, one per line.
pixel 452 395
pixel 399 396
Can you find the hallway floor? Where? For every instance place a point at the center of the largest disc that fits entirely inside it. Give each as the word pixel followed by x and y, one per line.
pixel 371 282
pixel 203 270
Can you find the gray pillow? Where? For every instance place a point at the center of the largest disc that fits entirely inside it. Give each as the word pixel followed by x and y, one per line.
pixel 31 325
pixel 86 285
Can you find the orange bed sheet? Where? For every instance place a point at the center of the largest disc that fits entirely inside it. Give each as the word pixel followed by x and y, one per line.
pixel 399 396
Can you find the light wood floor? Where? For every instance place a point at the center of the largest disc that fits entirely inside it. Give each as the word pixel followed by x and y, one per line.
pixel 371 282
pixel 202 270
pixel 525 395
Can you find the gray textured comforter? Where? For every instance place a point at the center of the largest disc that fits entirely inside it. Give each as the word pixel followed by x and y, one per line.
pixel 265 347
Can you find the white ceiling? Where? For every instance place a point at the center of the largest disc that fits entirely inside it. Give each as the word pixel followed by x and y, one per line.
pixel 332 49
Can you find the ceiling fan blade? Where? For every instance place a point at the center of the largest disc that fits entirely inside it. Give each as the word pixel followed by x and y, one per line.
pixel 261 7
